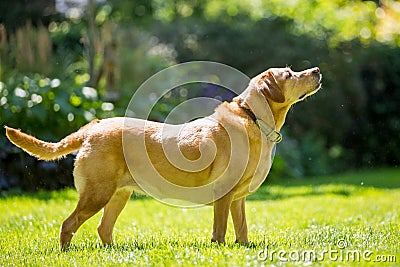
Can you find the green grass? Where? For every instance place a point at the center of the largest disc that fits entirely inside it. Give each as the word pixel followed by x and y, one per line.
pixel 359 210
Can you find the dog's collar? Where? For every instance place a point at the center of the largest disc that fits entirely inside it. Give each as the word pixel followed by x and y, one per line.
pixel 270 132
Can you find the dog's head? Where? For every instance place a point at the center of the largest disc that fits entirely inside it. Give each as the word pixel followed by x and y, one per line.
pixel 276 89
pixel 284 86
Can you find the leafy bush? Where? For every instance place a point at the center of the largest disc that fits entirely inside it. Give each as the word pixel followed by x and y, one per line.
pixel 47 108
pixel 54 105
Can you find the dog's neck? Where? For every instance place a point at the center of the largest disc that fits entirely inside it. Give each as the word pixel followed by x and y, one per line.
pixel 279 112
pixel 274 114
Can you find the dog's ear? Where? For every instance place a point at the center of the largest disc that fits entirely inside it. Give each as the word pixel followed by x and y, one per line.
pixel 267 85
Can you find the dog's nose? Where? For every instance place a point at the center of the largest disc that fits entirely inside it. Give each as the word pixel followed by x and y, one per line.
pixel 315 70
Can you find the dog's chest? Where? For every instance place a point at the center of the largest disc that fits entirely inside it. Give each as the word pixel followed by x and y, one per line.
pixel 257 171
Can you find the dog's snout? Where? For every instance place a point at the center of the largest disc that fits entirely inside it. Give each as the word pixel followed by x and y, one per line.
pixel 315 70
pixel 308 72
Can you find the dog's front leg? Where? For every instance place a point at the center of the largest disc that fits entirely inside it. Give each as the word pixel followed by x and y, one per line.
pixel 238 213
pixel 221 213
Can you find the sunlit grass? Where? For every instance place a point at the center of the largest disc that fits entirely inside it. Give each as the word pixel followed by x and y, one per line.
pixel 293 216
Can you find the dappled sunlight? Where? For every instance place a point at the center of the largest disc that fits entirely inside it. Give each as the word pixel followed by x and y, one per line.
pixel 334 21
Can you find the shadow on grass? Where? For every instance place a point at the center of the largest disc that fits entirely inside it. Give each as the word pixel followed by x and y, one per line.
pixel 63 194
pixel 378 178
pixel 145 245
pixel 346 184
pixel 268 193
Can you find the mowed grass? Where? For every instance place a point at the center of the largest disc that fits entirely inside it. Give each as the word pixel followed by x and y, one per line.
pixel 347 220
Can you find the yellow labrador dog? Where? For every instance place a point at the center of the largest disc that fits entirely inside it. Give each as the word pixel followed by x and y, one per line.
pixel 240 133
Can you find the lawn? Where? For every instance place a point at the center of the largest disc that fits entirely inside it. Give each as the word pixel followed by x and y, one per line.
pixel 350 219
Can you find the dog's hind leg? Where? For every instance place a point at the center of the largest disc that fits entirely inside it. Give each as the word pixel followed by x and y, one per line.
pixel 93 196
pixel 111 213
pixel 86 208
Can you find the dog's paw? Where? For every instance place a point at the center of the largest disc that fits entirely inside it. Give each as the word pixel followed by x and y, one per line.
pixel 247 244
pixel 217 241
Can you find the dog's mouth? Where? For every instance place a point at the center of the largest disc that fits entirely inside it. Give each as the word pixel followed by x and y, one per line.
pixel 303 96
pixel 318 79
pixel 311 92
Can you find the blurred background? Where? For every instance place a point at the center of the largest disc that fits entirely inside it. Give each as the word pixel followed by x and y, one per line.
pixel 66 62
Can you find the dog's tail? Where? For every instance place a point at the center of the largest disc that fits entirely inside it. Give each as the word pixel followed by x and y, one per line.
pixel 44 150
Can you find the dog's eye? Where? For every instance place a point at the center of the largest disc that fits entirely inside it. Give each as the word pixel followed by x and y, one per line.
pixel 288 75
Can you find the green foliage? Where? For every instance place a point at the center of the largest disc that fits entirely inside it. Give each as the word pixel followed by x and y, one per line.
pixel 17 13
pixel 306 157
pixel 313 214
pixel 335 21
pixel 374 137
pixel 352 122
pixel 48 108
pixel 54 105
pixel 35 103
pixel 66 36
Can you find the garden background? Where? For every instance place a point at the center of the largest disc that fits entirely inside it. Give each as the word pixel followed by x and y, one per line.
pixel 64 63
pixel 334 184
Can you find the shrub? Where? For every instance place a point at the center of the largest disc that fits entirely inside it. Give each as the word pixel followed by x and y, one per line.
pixel 47 108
